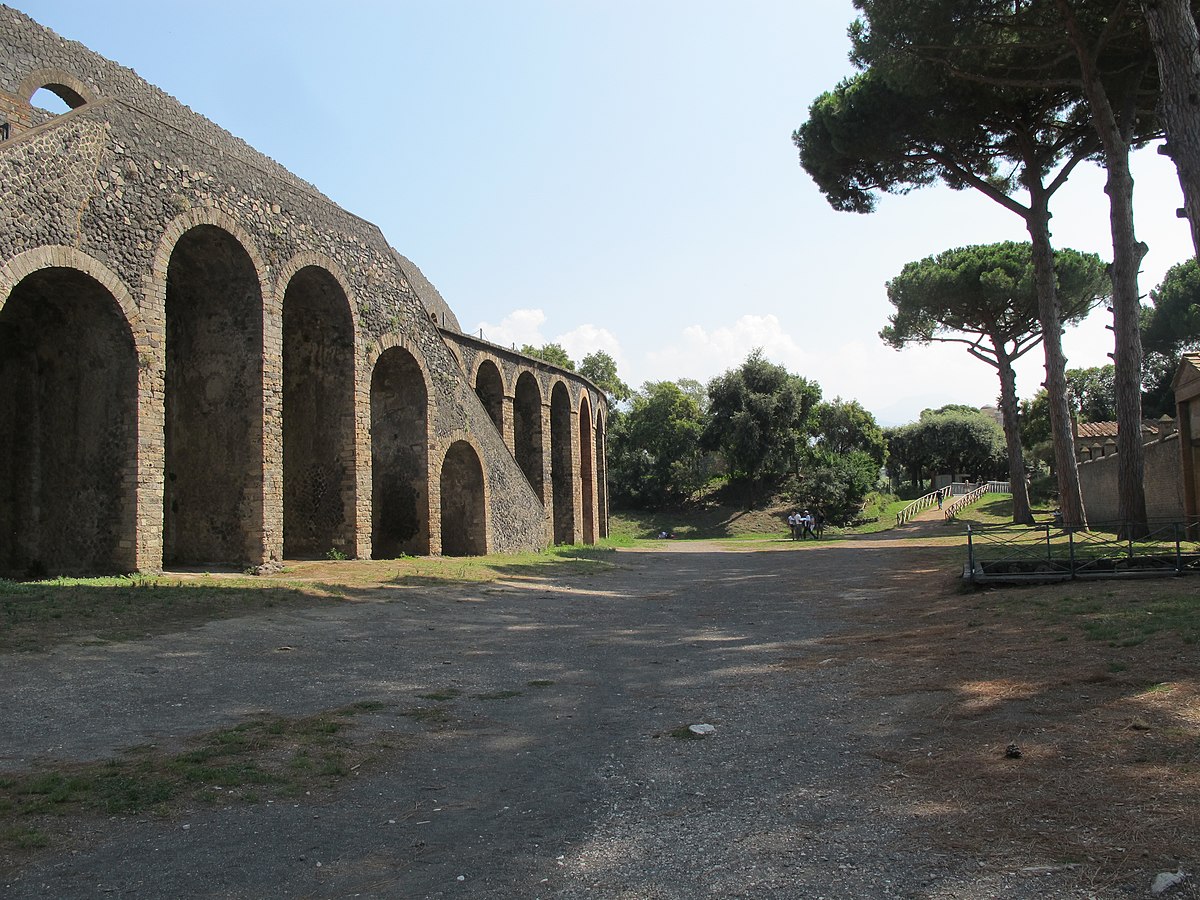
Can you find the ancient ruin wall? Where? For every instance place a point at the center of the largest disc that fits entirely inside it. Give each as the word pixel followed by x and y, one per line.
pixel 130 185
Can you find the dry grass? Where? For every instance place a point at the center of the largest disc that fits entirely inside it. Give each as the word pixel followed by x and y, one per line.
pixel 1095 684
pixel 37 615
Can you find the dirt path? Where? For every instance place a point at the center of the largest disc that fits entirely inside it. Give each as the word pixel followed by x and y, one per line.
pixel 558 769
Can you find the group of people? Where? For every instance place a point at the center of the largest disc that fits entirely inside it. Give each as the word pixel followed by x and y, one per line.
pixel 804 525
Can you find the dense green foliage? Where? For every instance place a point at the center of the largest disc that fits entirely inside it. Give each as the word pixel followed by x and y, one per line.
pixel 759 427
pixel 759 418
pixel 551 353
pixel 601 370
pixel 654 448
pixel 987 291
pixel 1170 328
pixel 952 441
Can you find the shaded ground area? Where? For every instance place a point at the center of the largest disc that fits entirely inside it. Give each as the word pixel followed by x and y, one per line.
pixel 528 738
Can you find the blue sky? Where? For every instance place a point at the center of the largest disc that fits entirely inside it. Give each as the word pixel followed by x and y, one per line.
pixel 607 174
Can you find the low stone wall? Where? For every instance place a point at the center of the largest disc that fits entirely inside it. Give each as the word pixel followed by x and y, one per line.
pixel 1163 482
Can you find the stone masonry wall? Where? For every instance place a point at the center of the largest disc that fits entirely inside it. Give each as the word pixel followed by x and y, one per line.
pixel 111 187
pixel 1163 483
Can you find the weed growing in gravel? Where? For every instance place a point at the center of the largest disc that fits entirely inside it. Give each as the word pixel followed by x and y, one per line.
pixel 442 695
pixel 428 715
pixel 37 615
pixel 267 756
pixel 685 733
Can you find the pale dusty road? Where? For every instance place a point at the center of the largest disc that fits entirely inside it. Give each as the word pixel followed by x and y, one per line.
pixel 569 789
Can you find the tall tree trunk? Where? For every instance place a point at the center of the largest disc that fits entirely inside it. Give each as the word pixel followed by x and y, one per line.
pixel 1022 515
pixel 1177 49
pixel 1070 498
pixel 1127 259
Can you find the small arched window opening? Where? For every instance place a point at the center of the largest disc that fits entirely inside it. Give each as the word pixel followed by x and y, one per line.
pixel 56 99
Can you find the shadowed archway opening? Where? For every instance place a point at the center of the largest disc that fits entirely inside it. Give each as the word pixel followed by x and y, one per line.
pixel 587 495
pixel 527 432
pixel 318 416
pixel 464 514
pixel 489 386
pixel 68 428
pixel 399 457
pixel 601 477
pixel 214 402
pixel 561 465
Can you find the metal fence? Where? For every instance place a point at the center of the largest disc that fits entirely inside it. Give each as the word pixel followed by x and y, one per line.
pixel 1050 552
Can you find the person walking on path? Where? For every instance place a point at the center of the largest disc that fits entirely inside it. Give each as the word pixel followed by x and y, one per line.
pixel 806 522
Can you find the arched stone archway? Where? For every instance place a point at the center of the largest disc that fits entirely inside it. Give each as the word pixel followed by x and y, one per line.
pixel 586 472
pixel 562 468
pixel 73 92
pixel 489 387
pixel 318 415
pixel 527 432
pixel 399 456
pixel 464 510
pixel 601 477
pixel 68 428
pixel 212 497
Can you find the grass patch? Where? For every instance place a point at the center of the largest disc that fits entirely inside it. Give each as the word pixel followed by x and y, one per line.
pixel 264 757
pixel 37 615
pixel 996 509
pixel 1122 615
pixel 498 695
pixel 442 695
pixel 23 838
pixel 428 715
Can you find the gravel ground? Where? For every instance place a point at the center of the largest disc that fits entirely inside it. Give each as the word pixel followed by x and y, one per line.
pixel 573 787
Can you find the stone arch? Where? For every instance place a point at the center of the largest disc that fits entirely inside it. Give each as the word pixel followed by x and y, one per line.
pixel 489 387
pixel 464 502
pixel 527 432
pixel 399 453
pixel 147 470
pixel 69 389
pixel 213 392
pixel 318 391
pixel 587 495
pixel 63 85
pixel 562 463
pixel 601 475
pixel 59 256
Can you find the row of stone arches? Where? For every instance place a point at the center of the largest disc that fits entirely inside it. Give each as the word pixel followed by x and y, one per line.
pixel 128 442
pixel 576 445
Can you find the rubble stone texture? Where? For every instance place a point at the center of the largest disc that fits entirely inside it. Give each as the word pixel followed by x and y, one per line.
pixel 205 361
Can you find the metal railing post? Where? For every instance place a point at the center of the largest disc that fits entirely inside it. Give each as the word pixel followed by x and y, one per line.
pixel 970 552
pixel 1178 552
pixel 1071 549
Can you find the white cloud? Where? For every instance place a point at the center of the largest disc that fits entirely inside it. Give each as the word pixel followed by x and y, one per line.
pixel 586 339
pixel 893 385
pixel 521 326
pixel 701 353
pixel 524 326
